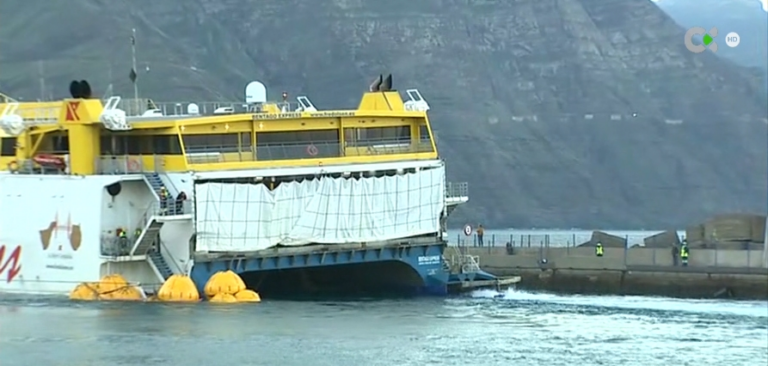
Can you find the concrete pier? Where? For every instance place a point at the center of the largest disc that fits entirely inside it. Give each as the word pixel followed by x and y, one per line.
pixel 637 271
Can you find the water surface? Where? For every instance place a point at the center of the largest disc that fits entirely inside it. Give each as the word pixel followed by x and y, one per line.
pixel 485 329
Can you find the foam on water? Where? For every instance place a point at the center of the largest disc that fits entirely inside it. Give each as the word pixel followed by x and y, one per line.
pixel 742 308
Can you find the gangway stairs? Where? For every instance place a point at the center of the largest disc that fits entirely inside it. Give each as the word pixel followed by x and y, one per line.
pixel 159 262
pixel 156 182
pixel 468 266
pixel 148 237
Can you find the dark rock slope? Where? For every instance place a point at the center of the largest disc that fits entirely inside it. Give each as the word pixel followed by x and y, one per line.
pixel 560 113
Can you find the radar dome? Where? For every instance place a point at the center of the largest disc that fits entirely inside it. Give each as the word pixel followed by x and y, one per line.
pixel 255 92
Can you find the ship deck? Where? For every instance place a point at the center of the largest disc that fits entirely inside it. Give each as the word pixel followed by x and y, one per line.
pixel 282 251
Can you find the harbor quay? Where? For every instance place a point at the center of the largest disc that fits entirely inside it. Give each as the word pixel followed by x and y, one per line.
pixel 711 272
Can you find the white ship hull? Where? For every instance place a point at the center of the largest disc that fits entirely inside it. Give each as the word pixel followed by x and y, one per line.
pixel 57 231
pixel 53 229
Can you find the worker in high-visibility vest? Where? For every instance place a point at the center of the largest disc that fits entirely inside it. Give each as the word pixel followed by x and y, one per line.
pixel 599 249
pixel 684 254
pixel 122 238
pixel 164 197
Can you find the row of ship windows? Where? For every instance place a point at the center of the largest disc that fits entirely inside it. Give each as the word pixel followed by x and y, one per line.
pixel 232 142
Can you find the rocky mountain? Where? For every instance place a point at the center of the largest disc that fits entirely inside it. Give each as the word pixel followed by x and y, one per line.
pixel 559 113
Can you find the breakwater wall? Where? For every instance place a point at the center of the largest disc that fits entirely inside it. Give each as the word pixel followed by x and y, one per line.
pixel 631 271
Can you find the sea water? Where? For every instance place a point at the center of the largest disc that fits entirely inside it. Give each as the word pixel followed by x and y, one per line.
pixel 485 328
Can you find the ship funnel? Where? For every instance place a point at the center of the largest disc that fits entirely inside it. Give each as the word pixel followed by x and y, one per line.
pixel 80 89
pixel 387 84
pixel 85 89
pixel 74 88
pixel 376 84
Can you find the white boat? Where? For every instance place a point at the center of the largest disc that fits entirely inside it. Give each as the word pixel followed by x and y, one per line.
pixel 268 186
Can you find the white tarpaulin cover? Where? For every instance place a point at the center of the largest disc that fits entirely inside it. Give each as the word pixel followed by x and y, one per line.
pixel 247 217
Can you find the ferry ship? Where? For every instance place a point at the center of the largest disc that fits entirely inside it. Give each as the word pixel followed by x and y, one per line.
pixel 291 198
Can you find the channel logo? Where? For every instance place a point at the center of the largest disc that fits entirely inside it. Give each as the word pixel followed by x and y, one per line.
pixel 708 42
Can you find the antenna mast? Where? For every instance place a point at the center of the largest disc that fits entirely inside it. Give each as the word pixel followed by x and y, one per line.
pixel 41 76
pixel 133 75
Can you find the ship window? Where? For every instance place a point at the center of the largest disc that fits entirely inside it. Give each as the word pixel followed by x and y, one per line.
pixel 378 136
pixel 8 147
pixel 60 144
pixel 212 143
pixel 140 145
pixel 297 144
pixel 245 141
pixel 423 132
pixel 166 145
pixel 133 144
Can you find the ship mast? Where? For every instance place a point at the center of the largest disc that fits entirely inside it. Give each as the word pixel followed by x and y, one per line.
pixel 41 77
pixel 133 75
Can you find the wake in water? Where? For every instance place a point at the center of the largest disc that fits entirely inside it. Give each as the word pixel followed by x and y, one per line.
pixel 742 308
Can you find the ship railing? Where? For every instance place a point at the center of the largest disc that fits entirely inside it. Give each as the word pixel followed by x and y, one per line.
pixel 121 164
pixel 129 164
pixel 467 263
pixel 147 107
pixel 159 167
pixel 171 207
pixel 112 246
pixel 456 189
pixel 46 162
pixel 212 154
pixel 6 99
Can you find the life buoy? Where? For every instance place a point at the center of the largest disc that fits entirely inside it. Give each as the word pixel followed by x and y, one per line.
pixel 133 166
pixel 312 150
pixel 13 166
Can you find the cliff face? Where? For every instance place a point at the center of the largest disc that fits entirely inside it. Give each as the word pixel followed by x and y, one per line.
pixel 560 113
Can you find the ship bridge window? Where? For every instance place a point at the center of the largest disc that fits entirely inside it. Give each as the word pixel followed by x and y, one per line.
pixel 297 145
pixel 423 133
pixel 8 146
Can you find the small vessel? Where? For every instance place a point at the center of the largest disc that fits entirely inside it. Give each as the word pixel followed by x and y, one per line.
pixel 288 197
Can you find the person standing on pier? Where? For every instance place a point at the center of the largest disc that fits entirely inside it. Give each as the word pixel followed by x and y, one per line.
pixel 684 254
pixel 599 249
pixel 480 232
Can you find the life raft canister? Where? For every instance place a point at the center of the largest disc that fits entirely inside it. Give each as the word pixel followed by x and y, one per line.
pixel 50 160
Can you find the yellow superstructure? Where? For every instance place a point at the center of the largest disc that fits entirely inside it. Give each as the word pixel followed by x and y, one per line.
pixel 381 129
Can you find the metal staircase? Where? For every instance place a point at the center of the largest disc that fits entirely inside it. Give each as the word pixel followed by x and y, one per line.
pixel 155 181
pixel 160 263
pixel 169 207
pixel 149 236
pixel 466 263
